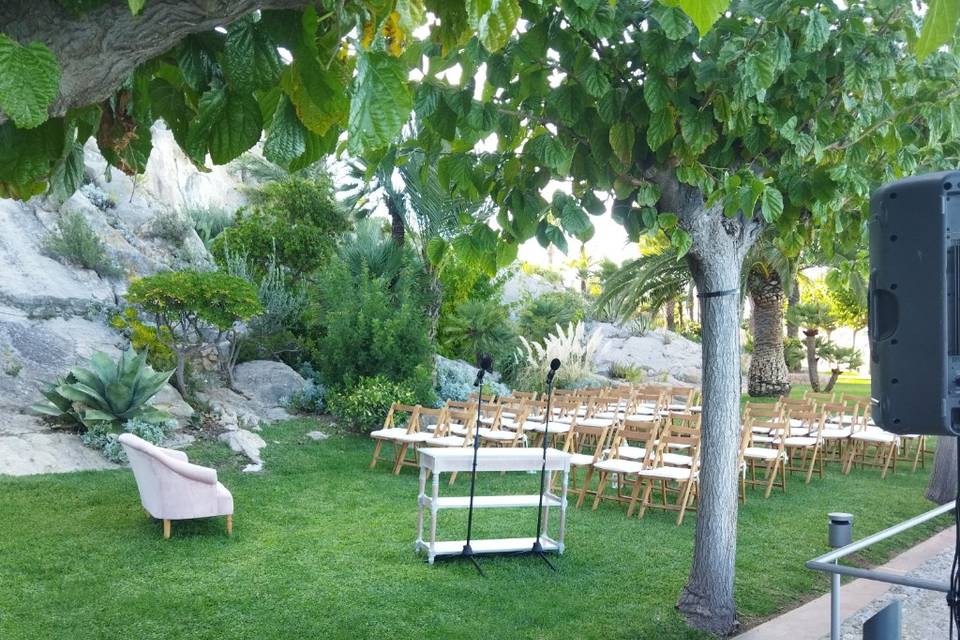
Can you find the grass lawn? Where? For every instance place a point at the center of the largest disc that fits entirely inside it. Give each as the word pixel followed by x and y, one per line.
pixel 323 548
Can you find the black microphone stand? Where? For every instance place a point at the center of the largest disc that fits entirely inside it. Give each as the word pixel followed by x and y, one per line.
pixel 537 546
pixel 467 549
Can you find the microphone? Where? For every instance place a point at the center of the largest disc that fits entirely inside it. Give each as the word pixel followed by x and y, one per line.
pixel 485 364
pixel 554 365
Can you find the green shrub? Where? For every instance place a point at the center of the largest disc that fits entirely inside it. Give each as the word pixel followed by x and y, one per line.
pixel 109 444
pixel 628 372
pixel 209 223
pixel 364 406
pixel 192 305
pixel 296 222
pixel 169 226
pixel 359 326
pixel 692 331
pixel 794 353
pixel 539 316
pixel 479 326
pixel 272 334
pixel 146 338
pixel 75 242
pixel 105 393
pixel 455 382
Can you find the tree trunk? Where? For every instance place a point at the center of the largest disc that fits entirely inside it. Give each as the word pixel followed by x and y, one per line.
pixel 99 49
pixel 942 485
pixel 398 230
pixel 179 375
pixel 793 331
pixel 768 376
pixel 669 314
pixel 834 374
pixel 718 247
pixel 810 338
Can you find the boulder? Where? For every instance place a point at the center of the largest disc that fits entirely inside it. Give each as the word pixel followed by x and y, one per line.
pixel 247 443
pixel 267 382
pixel 317 435
pixel 170 400
pixel 661 354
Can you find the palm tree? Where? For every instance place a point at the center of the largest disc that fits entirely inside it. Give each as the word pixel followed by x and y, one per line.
pixel 769 275
pixel 421 211
pixel 659 279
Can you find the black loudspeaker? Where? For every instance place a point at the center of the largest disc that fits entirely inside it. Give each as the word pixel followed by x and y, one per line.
pixel 913 305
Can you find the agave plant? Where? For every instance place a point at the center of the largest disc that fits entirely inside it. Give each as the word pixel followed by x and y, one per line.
pixel 106 392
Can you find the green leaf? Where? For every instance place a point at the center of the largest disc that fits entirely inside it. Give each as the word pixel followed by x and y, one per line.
pixel 816 33
pixel 681 241
pixel 771 203
pixel 236 127
pixel 622 139
pixel 697 130
pixel 319 95
pixel 667 220
pixel 493 21
pixel 238 131
pixel 661 128
pixel 67 175
pixel 136 6
pixel 506 253
pixel 592 203
pixel 760 70
pixel 551 152
pixel 647 194
pixel 381 102
pixel 456 175
pixel 939 25
pixel 673 21
pixel 250 60
pixel 656 93
pixel 436 249
pixel 593 79
pixel 548 234
pixel 572 218
pixel 703 12
pixel 29 81
pixel 412 14
pixel 287 137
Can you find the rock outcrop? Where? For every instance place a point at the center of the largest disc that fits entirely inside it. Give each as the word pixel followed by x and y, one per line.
pixel 661 354
pixel 54 315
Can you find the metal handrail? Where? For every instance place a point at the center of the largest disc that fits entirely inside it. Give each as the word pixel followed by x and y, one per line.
pixel 829 563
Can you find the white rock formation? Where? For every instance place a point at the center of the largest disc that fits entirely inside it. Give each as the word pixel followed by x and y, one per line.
pixel 247 443
pixel 661 354
pixel 54 315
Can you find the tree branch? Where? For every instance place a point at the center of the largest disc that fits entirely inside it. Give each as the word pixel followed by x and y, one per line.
pixel 99 49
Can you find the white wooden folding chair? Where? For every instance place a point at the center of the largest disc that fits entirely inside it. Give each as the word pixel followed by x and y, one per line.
pixel 401 418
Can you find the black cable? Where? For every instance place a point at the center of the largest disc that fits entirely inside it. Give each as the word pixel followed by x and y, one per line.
pixel 952 595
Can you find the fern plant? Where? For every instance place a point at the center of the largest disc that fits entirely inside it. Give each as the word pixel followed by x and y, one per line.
pixel 106 393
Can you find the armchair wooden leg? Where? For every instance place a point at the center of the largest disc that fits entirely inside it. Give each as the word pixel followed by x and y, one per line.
pixel 166 529
pixel 230 525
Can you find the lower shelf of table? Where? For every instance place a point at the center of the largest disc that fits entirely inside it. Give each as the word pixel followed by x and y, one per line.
pixel 490 545
pixel 491 502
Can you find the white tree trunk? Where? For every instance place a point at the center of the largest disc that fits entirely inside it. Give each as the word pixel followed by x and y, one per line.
pixel 719 245
pixel 942 485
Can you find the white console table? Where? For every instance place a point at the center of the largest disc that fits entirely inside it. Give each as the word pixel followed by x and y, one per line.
pixel 445 460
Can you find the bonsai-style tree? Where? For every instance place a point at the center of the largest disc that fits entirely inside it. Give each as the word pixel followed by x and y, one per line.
pixel 194 309
pixel 813 317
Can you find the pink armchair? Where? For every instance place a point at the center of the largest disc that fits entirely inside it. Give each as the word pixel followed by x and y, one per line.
pixel 171 488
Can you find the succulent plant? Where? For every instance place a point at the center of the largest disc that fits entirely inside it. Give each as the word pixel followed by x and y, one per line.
pixel 105 393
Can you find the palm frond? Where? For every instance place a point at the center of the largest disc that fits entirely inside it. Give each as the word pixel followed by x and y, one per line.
pixel 648 281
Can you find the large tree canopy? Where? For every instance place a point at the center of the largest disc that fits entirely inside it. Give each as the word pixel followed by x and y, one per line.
pixel 781 115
